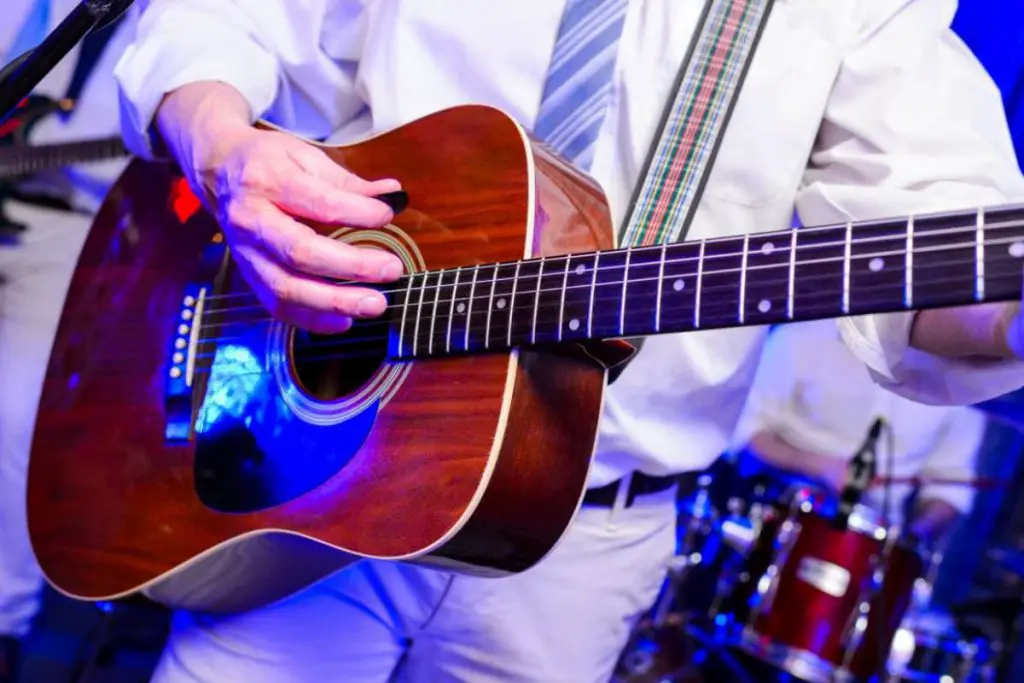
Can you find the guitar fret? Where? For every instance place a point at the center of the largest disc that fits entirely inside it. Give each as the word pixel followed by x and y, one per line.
pixel 700 284
pixel 791 282
pixel 741 314
pixel 469 307
pixel 451 310
pixel 512 305
pixel 433 317
pixel 846 267
pixel 536 302
pixel 561 308
pixel 490 310
pixel 979 256
pixel 661 285
pixel 625 285
pixel 908 285
pixel 593 293
pixel 405 314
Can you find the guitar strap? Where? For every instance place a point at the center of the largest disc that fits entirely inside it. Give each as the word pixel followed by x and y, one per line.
pixel 690 132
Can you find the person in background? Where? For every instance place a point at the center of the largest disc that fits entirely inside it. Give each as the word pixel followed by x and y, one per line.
pixel 811 408
pixel 35 271
pixel 851 111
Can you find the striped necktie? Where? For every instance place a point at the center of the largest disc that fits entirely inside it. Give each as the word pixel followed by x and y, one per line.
pixel 33 29
pixel 579 82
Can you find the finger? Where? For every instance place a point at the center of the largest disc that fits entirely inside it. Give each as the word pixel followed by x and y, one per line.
pixel 304 194
pixel 302 249
pixel 287 294
pixel 317 162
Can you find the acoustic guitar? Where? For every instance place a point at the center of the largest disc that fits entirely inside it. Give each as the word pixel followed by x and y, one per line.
pixel 194 450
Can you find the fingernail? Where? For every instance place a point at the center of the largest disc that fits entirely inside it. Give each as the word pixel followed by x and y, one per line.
pixel 392 270
pixel 371 306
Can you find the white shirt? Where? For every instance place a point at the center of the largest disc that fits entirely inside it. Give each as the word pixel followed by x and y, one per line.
pixel 811 391
pixel 911 122
pixel 96 113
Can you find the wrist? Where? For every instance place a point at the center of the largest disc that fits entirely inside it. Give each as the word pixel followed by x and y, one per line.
pixel 201 122
pixel 992 331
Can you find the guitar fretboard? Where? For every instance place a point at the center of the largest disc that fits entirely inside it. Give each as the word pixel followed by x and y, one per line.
pixel 803 274
pixel 19 161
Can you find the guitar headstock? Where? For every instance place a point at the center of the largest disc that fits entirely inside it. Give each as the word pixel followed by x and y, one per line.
pixel 33 109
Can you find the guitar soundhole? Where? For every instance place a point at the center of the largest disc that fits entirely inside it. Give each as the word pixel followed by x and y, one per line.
pixel 332 367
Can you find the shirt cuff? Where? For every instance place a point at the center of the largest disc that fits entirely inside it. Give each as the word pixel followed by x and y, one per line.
pixel 157 65
pixel 882 343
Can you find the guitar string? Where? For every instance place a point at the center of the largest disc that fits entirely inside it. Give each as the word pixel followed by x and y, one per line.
pixel 1007 224
pixel 812 304
pixel 808 302
pixel 428 302
pixel 993 260
pixel 429 299
pixel 826 311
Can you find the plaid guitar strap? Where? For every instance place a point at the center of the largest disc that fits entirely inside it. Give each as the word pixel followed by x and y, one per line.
pixel 690 132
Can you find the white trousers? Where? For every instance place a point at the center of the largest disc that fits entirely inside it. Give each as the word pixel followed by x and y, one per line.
pixel 563 621
pixel 34 278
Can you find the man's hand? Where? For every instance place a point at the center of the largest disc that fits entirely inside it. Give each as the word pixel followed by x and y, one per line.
pixel 258 183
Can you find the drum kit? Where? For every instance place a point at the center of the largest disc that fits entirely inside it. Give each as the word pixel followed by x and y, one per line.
pixel 779 589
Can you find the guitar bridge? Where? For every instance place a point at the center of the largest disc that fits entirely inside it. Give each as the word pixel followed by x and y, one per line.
pixel 187 355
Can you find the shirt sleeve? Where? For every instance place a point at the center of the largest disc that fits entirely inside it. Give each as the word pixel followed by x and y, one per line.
pixel 955 456
pixel 237 42
pixel 771 401
pixel 913 124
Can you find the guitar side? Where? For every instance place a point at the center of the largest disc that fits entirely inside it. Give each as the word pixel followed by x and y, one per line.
pixel 476 464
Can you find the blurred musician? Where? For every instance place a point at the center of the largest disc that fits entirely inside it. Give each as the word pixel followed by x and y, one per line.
pixel 34 277
pixel 811 408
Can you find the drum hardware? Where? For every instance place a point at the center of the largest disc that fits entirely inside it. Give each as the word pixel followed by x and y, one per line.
pixel 929 647
pixel 834 578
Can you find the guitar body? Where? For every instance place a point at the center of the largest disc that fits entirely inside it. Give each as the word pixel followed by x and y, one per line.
pixel 273 468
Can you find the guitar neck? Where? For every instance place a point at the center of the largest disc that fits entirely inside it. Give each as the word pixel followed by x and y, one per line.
pixel 20 161
pixel 805 274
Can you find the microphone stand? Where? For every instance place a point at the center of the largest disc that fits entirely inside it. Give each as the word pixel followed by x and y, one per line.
pixel 19 78
pixel 863 467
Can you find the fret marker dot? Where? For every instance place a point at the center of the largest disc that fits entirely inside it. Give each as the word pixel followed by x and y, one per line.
pixel 767 248
pixel 678 285
pixel 1017 249
pixel 876 264
pixel 574 324
pixel 501 303
pixel 764 306
pixel 461 308
pixel 580 269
